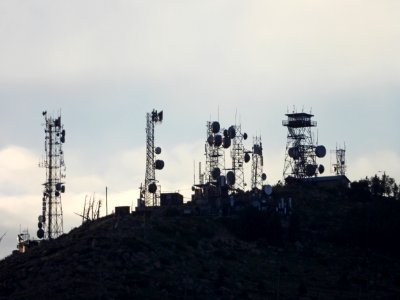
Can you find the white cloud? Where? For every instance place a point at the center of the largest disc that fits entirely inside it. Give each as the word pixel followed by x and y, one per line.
pixel 19 170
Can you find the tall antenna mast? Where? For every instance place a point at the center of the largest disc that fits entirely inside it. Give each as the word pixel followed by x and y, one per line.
pixel 257 174
pixel 149 195
pixel 340 166
pixel 51 220
pixel 238 154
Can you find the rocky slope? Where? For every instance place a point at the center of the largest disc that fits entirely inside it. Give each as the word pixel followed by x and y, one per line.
pixel 182 257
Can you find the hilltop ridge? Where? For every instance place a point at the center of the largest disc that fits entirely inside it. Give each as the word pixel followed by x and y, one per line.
pixel 251 255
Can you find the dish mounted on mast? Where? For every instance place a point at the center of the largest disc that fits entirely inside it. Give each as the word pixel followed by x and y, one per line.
pixel 258 177
pixel 50 222
pixel 340 168
pixel 301 152
pixel 150 192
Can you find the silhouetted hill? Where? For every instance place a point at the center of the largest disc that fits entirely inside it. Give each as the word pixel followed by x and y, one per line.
pixel 314 254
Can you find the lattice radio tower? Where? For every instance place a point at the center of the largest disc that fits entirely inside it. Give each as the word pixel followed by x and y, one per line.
pixel 51 220
pixel 340 167
pixel 257 175
pixel 150 193
pixel 215 159
pixel 238 154
pixel 301 152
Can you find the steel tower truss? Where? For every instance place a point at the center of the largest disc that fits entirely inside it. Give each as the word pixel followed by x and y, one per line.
pixel 300 148
pixel 257 164
pixel 151 199
pixel 340 166
pixel 237 155
pixel 51 220
pixel 215 158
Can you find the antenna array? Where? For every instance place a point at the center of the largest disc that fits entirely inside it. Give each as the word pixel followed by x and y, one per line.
pixel 257 175
pixel 301 152
pixel 51 220
pixel 340 167
pixel 150 192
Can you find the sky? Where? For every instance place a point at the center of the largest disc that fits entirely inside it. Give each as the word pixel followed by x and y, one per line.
pixel 105 64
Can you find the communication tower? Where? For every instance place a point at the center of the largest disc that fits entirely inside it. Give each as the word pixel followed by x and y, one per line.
pixel 51 220
pixel 257 175
pixel 238 154
pixel 339 167
pixel 215 159
pixel 301 152
pixel 149 193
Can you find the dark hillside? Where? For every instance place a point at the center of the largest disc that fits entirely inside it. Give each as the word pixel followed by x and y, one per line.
pixel 253 255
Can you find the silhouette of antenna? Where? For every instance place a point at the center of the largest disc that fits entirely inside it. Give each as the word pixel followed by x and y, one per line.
pixel 257 175
pixel 340 168
pixel 150 192
pixel 50 222
pixel 301 152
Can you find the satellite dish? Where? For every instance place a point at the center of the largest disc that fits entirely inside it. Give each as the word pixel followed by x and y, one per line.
pixel 152 188
pixel 40 225
pixel 320 151
pixel 246 157
pixel 232 132
pixel 263 176
pixel 290 152
pixel 159 164
pixel 218 140
pixel 40 233
pixel 215 173
pixel 40 219
pixel 58 186
pixel 57 194
pixel 310 170
pixel 226 142
pixel 215 127
pixel 225 133
pixel 160 116
pixel 294 152
pixel 210 140
pixel 321 169
pixel 230 176
pixel 245 136
pixel 62 139
pixel 268 189
pixel 63 189
pixel 157 150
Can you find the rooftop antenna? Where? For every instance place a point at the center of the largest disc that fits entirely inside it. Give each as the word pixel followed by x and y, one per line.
pixel 301 152
pixel 149 195
pixel 51 220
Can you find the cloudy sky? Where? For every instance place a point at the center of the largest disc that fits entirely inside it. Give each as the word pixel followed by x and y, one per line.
pixel 104 64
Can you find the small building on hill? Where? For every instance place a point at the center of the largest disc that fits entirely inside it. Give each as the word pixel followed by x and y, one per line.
pixel 328 181
pixel 171 199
